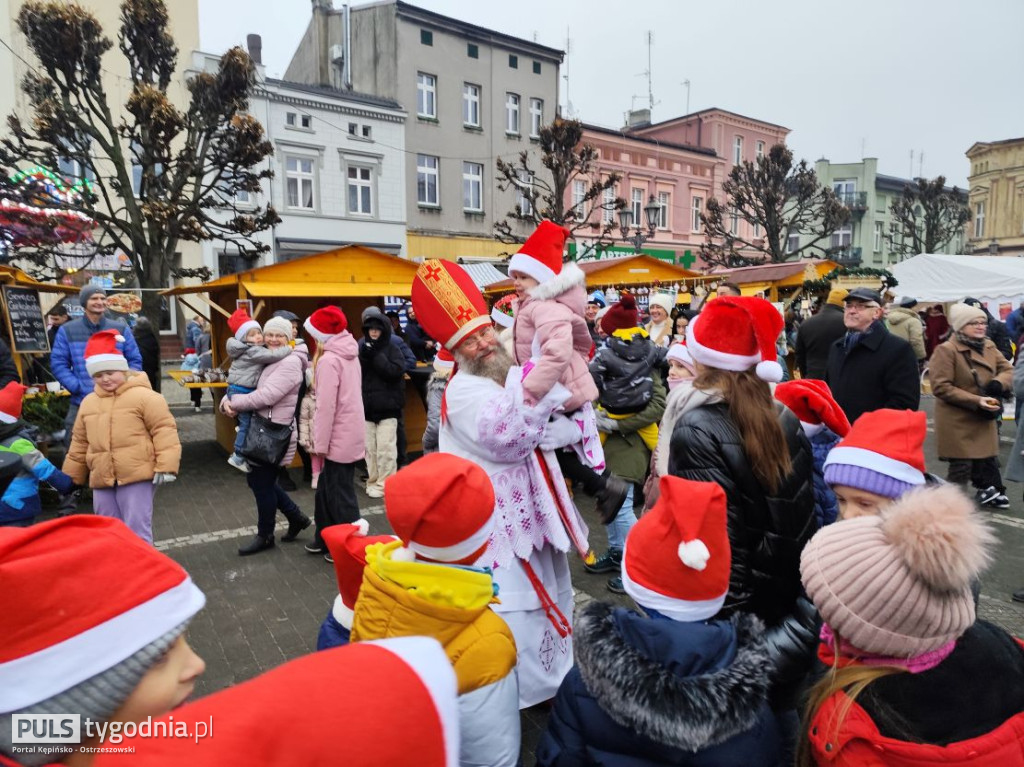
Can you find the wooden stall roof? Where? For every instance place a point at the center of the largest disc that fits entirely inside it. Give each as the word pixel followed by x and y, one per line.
pixel 354 271
pixel 10 275
pixel 786 275
pixel 640 269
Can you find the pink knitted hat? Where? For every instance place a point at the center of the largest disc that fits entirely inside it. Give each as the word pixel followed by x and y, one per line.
pixel 899 584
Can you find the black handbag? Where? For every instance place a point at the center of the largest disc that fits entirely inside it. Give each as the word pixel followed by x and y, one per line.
pixel 266 442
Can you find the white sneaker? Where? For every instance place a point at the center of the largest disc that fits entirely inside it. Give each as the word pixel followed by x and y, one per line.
pixel 236 461
pixel 198 409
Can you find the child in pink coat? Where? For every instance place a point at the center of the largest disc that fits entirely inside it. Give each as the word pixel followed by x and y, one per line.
pixel 552 343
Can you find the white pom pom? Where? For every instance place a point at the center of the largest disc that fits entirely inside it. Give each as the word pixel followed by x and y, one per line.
pixel 694 554
pixel 362 526
pixel 769 371
pixel 402 554
pixel 119 338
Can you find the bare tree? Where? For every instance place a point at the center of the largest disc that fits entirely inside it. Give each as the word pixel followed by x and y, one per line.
pixel 566 160
pixel 926 217
pixel 158 175
pixel 780 198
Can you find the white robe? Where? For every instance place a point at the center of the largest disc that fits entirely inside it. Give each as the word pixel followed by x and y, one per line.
pixel 489 425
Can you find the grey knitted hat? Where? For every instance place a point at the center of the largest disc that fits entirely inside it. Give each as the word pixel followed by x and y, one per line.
pixel 89 291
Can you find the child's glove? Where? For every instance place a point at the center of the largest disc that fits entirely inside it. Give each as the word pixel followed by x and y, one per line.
pixel 606 424
pixel 163 478
pixel 559 432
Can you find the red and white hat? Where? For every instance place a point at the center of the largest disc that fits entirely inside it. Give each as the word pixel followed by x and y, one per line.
pixel 812 402
pixel 883 453
pixel 10 402
pixel 442 507
pixel 108 595
pixel 326 322
pixel 347 544
pixel 737 333
pixel 102 354
pixel 677 557
pixel 405 702
pixel 447 302
pixel 443 360
pixel 240 323
pixel 540 256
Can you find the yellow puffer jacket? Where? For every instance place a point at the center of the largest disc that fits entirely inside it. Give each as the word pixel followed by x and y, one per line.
pixel 451 604
pixel 123 436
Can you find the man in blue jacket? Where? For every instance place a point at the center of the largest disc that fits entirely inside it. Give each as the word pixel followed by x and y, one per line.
pixel 67 360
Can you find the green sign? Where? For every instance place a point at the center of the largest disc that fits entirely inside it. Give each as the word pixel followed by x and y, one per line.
pixel 616 251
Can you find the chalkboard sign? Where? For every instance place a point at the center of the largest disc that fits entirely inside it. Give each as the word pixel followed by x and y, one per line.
pixel 25 321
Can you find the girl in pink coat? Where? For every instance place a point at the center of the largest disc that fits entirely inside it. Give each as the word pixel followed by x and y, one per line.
pixel 338 434
pixel 552 344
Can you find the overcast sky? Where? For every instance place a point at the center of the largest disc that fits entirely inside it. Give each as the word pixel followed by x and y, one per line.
pixel 852 79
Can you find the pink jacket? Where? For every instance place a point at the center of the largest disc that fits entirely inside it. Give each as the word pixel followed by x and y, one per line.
pixel 339 431
pixel 276 395
pixel 551 329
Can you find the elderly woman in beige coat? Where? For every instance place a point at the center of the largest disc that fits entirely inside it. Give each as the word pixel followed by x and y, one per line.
pixel 969 379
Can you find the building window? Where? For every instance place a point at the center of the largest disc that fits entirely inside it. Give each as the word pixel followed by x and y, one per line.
pixel 524 190
pixel 536 117
pixel 471 105
pixel 242 197
pixel 299 181
pixel 473 50
pixel 879 232
pixel 426 95
pixel 426 37
pixel 664 203
pixel 353 129
pixel 979 219
pixel 579 193
pixel 737 150
pixel 136 151
pixel 793 243
pixel 757 230
pixel 306 121
pixel 74 171
pixel 360 190
pixel 842 237
pixel 637 206
pixel 608 205
pixel 846 190
pixel 760 149
pixel 426 179
pixel 734 222
pixel 513 61
pixel 536 67
pixel 511 113
pixel 472 186
pixel 368 131
pixel 290 119
pixel 695 210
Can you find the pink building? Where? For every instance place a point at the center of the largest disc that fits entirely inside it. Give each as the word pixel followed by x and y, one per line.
pixel 681 162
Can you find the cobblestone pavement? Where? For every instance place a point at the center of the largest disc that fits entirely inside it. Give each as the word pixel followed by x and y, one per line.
pixel 266 609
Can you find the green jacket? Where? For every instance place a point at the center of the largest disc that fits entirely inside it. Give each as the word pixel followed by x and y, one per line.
pixel 624 451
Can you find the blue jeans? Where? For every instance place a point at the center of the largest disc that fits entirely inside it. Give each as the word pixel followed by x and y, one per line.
pixel 270 499
pixel 619 527
pixel 243 418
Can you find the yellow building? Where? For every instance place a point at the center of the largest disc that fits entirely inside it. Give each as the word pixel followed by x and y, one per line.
pixel 996 197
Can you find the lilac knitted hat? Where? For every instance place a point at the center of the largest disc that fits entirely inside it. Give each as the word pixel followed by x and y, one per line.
pixel 899 584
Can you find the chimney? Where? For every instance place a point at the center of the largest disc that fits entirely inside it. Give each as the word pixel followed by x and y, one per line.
pixel 638 118
pixel 255 45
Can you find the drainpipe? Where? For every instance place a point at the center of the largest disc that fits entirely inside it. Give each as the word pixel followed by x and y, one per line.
pixel 348 47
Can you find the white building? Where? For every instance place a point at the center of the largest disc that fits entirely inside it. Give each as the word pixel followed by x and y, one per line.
pixel 339 171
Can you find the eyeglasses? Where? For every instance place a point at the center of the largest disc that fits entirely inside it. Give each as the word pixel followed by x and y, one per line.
pixel 978 324
pixel 481 338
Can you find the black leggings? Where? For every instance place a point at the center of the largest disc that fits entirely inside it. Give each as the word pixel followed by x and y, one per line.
pixel 573 468
pixel 980 472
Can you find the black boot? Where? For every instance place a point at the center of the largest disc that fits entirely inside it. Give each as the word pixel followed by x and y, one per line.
pixel 285 482
pixel 256 545
pixel 610 500
pixel 296 526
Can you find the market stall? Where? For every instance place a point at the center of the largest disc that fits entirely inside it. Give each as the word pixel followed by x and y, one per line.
pixel 24 321
pixel 776 282
pixel 998 281
pixel 353 277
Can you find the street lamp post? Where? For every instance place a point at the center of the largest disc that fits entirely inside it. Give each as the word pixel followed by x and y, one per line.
pixel 639 236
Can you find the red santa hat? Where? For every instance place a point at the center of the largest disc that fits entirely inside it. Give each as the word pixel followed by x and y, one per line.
pixel 677 557
pixel 812 402
pixel 403 702
pixel 102 354
pixel 442 508
pixel 541 256
pixel 883 453
pixel 347 544
pixel 10 402
pixel 737 333
pixel 108 595
pixel 443 360
pixel 447 302
pixel 240 323
pixel 326 322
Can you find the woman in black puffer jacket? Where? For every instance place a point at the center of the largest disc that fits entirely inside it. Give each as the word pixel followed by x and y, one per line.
pixel 737 435
pixel 383 368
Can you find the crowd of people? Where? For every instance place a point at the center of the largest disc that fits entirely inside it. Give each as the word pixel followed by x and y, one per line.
pixel 805 589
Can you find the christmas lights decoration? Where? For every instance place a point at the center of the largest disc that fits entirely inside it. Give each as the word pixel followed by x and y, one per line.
pixel 31 215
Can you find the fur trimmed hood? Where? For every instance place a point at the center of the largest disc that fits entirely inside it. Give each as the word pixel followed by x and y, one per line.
pixel 570 277
pixel 684 710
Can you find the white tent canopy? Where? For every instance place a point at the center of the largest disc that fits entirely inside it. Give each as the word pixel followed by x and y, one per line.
pixel 994 280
